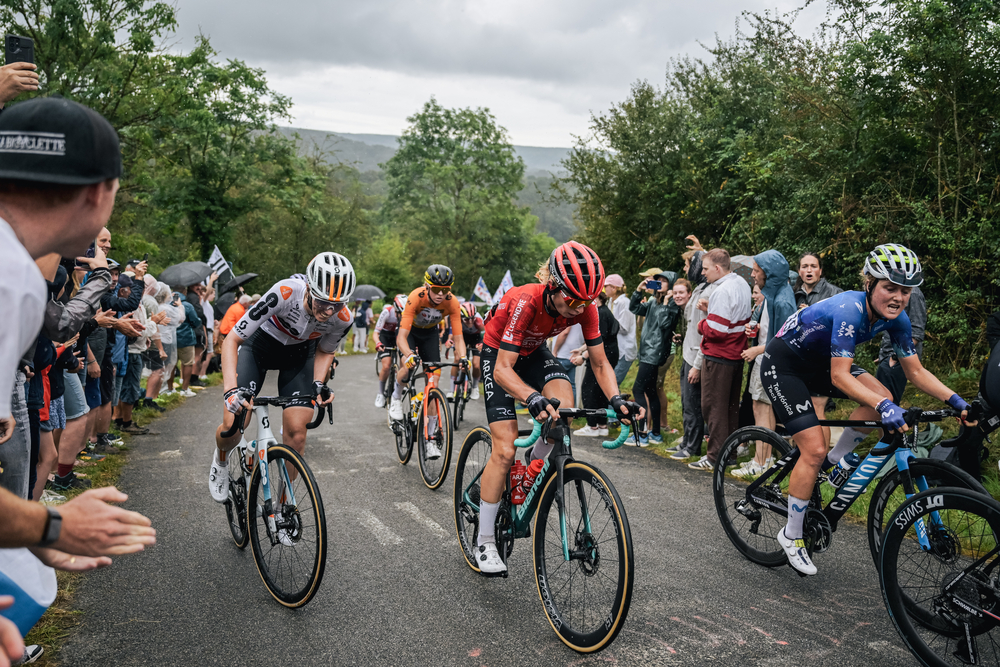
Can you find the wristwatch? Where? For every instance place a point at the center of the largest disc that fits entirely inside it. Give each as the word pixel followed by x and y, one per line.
pixel 53 525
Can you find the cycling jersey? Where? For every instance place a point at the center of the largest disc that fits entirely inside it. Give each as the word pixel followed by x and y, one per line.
pixel 520 323
pixel 835 326
pixel 421 313
pixel 388 320
pixel 280 313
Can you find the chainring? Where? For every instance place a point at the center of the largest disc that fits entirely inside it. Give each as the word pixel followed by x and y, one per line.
pixel 817 531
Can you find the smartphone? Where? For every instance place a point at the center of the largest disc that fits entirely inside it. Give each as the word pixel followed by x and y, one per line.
pixel 145 257
pixel 18 49
pixel 655 285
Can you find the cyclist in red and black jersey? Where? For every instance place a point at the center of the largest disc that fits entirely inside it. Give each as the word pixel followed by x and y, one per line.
pixel 516 364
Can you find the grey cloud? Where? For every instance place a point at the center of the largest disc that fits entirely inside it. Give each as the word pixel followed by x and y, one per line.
pixel 562 41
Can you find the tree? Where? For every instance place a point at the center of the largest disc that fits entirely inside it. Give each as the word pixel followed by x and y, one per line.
pixel 881 128
pixel 452 189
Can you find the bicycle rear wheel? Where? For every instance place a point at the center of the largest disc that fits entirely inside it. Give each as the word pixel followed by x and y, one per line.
pixel 290 553
pixel 752 527
pixel 469 468
pixel 236 505
pixel 587 597
pixel 434 438
pixel 402 432
pixel 890 494
pixel 944 600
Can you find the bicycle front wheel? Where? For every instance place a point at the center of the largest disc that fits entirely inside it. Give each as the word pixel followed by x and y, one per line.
pixel 586 598
pixel 472 460
pixel 290 550
pixel 752 526
pixel 943 598
pixel 890 494
pixel 434 438
pixel 458 402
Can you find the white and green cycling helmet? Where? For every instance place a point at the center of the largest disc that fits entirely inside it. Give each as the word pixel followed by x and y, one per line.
pixel 331 277
pixel 895 263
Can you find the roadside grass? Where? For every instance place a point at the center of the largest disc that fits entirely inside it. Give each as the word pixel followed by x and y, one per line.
pixel 60 620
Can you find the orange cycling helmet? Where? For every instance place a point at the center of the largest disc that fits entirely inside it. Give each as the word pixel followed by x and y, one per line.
pixel 578 270
pixel 468 309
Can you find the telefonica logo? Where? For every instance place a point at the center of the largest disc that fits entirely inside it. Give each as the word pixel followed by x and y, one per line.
pixel 39 143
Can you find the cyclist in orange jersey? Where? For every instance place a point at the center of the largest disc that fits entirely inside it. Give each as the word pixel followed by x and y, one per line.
pixel 418 328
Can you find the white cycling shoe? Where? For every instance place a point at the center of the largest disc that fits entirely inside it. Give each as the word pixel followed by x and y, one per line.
pixel 797 555
pixel 488 559
pixel 396 409
pixel 432 450
pixel 218 479
pixel 379 401
pixel 475 393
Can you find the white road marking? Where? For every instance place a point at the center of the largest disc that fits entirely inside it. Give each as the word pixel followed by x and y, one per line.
pixel 381 532
pixel 171 454
pixel 423 519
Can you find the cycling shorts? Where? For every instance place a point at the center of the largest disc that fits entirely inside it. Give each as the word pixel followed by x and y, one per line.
pixel 261 353
pixel 426 343
pixel 472 342
pixel 536 370
pixel 388 339
pixel 789 382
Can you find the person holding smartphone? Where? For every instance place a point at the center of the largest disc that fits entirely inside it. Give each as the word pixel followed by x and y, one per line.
pixel 661 316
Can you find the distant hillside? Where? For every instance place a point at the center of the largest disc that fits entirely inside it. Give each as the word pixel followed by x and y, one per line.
pixel 366 151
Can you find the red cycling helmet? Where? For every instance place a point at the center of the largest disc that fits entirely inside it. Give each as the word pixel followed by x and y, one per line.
pixel 577 269
pixel 468 309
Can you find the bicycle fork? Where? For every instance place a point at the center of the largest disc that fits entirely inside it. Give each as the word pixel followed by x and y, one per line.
pixel 911 487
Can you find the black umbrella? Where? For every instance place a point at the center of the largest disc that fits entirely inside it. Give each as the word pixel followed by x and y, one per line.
pixel 223 303
pixel 367 293
pixel 237 282
pixel 185 274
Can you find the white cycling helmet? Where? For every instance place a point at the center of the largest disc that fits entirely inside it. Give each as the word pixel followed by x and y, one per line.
pixel 400 302
pixel 331 277
pixel 895 263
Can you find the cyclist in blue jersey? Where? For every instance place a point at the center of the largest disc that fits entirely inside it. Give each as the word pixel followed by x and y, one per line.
pixel 813 355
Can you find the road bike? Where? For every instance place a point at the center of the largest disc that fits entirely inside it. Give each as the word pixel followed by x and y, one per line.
pixel 277 507
pixel 390 379
pixel 582 545
pixel 427 423
pixel 753 513
pixel 939 577
pixel 463 390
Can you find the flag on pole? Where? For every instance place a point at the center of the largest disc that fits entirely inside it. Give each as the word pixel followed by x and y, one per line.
pixel 505 284
pixel 483 292
pixel 220 266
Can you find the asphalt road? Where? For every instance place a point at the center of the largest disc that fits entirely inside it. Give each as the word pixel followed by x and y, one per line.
pixel 398 592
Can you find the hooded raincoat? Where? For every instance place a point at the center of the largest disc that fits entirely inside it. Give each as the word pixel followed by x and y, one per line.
pixel 778 294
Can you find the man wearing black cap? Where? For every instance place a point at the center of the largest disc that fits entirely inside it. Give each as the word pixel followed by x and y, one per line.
pixel 59 169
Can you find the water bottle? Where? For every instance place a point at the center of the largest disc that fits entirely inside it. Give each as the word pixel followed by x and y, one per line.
pixel 843 469
pixel 517 493
pixel 531 473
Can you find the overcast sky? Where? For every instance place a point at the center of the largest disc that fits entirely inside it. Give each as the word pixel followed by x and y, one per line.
pixel 540 66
